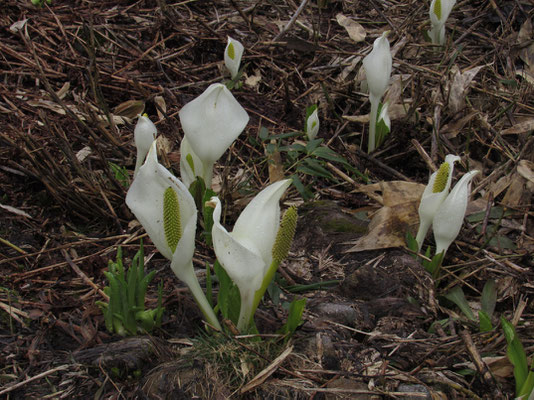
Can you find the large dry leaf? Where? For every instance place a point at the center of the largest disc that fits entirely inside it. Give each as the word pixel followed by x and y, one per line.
pixel 527 51
pixel 517 193
pixel 525 168
pixel 398 215
pixel 519 128
pixel 161 108
pixel 130 109
pixel 460 84
pixel 354 29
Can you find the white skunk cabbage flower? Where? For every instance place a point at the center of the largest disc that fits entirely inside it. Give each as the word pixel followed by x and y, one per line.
pixel 232 56
pixel 312 125
pixel 246 252
pixel 434 194
pixel 211 123
pixel 167 211
pixel 439 12
pixel 377 65
pixel 192 166
pixel 450 216
pixel 145 133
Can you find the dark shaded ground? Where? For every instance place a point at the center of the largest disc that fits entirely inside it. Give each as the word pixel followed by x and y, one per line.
pixel 66 75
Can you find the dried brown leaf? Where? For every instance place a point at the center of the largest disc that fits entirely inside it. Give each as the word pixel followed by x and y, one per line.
pixel 398 215
pixel 354 29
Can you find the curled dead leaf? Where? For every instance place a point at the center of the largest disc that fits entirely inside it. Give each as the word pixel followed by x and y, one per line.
pixel 354 29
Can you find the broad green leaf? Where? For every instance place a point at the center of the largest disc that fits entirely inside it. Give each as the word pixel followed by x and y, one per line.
pixel 314 168
pixel 411 243
pixel 489 297
pixel 263 133
pixel 516 355
pixel 456 295
pixel 312 145
pixel 329 154
pixel 484 321
pixel 294 318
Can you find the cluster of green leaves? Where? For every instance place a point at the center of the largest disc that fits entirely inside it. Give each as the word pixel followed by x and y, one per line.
pixel 229 301
pixel 488 300
pixel 491 235
pixel 308 158
pixel 121 174
pixel 431 264
pixel 524 376
pixel 125 313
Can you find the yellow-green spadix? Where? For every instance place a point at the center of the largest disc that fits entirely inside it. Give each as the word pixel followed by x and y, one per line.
pixel 434 194
pixel 167 211
pixel 246 252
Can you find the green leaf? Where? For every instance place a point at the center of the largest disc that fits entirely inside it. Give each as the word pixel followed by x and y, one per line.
pixel 528 386
pixel 312 145
pixel 309 111
pixel 433 266
pixel 484 321
pixel 456 295
pixel 263 133
pixel 209 285
pixel 329 154
pixel 516 355
pixel 314 168
pixel 489 297
pixel 496 212
pixel 411 243
pixel 294 318
pixel 121 174
pixel 228 299
pixel 303 191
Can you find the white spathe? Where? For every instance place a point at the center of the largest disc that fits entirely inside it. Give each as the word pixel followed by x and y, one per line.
pixel 430 201
pixel 450 215
pixel 212 121
pixel 192 166
pixel 377 65
pixel 312 125
pixel 232 56
pixel 246 252
pixel 145 133
pixel 439 12
pixel 145 199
